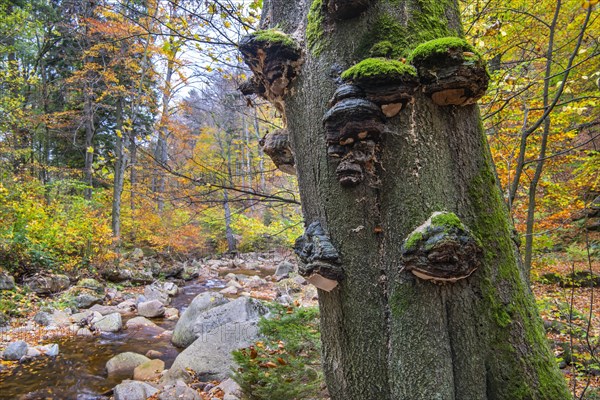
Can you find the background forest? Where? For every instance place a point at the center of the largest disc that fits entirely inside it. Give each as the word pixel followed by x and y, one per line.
pixel 121 126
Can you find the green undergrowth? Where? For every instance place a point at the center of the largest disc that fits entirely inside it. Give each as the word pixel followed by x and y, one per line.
pixel 286 364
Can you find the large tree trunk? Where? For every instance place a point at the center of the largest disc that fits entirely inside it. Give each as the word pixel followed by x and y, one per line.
pixel 388 334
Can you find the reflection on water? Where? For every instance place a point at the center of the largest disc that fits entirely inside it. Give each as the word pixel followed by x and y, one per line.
pixel 78 372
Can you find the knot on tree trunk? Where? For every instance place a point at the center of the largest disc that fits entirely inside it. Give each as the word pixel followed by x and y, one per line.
pixel 451 71
pixel 277 146
pixel 442 250
pixel 275 59
pixel 320 262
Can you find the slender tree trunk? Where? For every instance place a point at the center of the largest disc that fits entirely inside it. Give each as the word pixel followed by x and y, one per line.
pixel 231 245
pixel 388 334
pixel 261 155
pixel 88 110
pixel 163 130
pixel 132 170
pixel 543 145
pixel 120 164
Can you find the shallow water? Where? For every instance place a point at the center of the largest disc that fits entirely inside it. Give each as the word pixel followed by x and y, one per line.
pixel 78 372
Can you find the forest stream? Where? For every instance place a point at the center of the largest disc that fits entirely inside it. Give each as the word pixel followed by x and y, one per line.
pixel 78 371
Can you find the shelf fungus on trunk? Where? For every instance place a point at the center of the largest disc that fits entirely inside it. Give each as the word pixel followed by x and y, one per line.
pixel 352 120
pixel 276 145
pixel 346 9
pixel 442 250
pixel 451 71
pixel 275 59
pixel 358 162
pixel 320 262
pixel 390 84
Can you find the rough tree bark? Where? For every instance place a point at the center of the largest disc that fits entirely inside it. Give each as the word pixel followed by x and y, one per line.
pixel 441 312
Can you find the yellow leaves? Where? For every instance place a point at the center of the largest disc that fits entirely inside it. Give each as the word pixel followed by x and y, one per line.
pixel 90 149
pixel 119 133
pixel 589 3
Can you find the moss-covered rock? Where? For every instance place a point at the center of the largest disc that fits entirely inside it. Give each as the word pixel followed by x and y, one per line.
pixel 379 69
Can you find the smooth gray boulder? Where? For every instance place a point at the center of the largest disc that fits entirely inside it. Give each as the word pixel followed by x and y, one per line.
pixel 151 309
pixel 50 350
pixel 155 292
pixel 86 300
pixel 186 326
pixel 7 282
pixel 109 323
pixel 199 322
pixel 170 288
pixel 47 284
pixel 83 317
pixel 123 364
pixel 42 318
pixel 283 270
pixel 210 355
pixel 133 390
pixel 15 350
pixel 179 390
pixel 141 322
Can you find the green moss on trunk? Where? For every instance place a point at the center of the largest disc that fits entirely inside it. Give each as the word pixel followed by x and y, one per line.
pixel 379 68
pixel 314 27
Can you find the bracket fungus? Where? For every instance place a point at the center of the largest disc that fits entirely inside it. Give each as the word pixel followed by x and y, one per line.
pixel 346 9
pixel 351 120
pixel 442 250
pixel 274 58
pixel 319 261
pixel 277 146
pixel 388 83
pixel 358 162
pixel 451 70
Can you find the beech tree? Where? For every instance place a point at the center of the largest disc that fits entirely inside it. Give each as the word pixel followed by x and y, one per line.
pixel 421 291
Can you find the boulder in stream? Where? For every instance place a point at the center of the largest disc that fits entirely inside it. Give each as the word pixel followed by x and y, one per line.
pixel 191 319
pixel 156 292
pixel 109 323
pixel 178 390
pixel 141 322
pixel 202 317
pixel 151 309
pixel 133 390
pixel 149 371
pixel 210 355
pixel 123 364
pixel 15 350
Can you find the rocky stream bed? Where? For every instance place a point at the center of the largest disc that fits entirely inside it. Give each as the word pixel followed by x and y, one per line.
pixel 132 344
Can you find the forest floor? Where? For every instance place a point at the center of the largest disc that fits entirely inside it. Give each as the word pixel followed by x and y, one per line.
pixel 569 304
pixel 570 309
